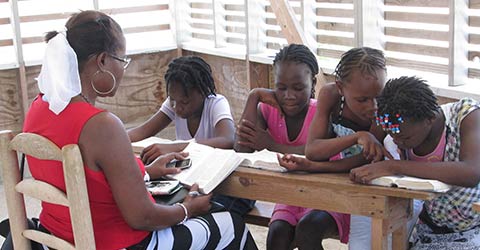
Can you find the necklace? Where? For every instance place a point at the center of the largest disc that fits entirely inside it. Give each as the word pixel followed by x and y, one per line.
pixel 85 98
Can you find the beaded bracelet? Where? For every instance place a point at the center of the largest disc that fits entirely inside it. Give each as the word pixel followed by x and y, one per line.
pixel 184 210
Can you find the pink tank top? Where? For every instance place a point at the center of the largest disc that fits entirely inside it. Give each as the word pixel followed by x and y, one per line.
pixel 435 156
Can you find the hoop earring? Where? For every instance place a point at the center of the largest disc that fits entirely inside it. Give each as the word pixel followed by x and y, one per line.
pixel 106 92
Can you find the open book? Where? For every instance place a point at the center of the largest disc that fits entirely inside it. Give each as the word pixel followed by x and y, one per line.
pixel 264 159
pixel 411 183
pixel 210 166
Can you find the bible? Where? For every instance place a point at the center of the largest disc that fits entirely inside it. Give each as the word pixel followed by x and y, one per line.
pixel 413 183
pixel 264 159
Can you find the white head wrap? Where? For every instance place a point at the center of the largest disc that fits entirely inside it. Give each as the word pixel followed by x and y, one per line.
pixel 59 79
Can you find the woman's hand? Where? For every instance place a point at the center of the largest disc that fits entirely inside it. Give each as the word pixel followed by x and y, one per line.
pixel 373 150
pixel 293 163
pixel 197 205
pixel 371 171
pixel 253 137
pixel 158 168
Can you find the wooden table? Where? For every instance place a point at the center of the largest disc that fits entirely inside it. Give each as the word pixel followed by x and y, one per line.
pixel 476 206
pixel 390 208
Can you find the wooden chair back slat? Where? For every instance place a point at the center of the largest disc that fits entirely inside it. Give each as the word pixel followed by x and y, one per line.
pixel 75 198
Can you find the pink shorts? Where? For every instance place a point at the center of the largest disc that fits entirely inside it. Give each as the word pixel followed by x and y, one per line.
pixel 293 214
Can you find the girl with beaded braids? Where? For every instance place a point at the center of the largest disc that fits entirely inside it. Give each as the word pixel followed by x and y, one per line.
pixel 84 62
pixel 278 119
pixel 193 106
pixel 437 142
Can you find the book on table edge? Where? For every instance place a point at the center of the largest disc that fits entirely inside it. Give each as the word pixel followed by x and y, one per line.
pixel 412 183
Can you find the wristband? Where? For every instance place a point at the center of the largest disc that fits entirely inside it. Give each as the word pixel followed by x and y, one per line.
pixel 146 177
pixel 184 210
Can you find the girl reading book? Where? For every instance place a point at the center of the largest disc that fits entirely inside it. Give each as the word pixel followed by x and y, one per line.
pixel 197 111
pixel 278 120
pixel 439 142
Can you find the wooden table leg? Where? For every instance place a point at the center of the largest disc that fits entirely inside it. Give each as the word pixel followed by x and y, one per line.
pixel 399 238
pixel 379 234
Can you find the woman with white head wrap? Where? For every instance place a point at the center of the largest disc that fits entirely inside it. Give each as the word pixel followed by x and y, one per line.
pixel 81 64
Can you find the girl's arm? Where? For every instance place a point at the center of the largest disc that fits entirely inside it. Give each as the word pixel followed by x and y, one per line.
pixel 295 163
pixel 321 145
pixel 224 135
pixel 252 131
pixel 151 127
pixel 105 147
pixel 465 172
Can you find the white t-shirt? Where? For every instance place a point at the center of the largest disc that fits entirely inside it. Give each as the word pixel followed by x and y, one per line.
pixel 215 108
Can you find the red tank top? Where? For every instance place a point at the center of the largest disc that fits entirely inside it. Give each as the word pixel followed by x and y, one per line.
pixel 110 229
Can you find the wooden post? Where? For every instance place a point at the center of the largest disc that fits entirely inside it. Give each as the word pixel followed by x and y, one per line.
pixel 218 24
pixel 254 45
pixel 368 27
pixel 179 26
pixel 17 43
pixel 458 35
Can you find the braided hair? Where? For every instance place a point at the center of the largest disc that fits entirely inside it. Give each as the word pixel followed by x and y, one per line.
pixel 410 97
pixel 191 72
pixel 300 54
pixel 367 60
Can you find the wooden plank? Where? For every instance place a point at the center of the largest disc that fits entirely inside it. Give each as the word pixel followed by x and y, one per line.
pixel 473 73
pixel 417 49
pixel 260 214
pixel 416 17
pixel 6 42
pixel 474 4
pixel 48 239
pixel 10 103
pixel 417 65
pixel 414 33
pixel 379 237
pixel 368 26
pixel 345 41
pixel 418 3
pixel 149 28
pixel 202 36
pixel 474 21
pixel 334 12
pixel 330 53
pixel 335 26
pixel 135 9
pixel 42 191
pixel 4 20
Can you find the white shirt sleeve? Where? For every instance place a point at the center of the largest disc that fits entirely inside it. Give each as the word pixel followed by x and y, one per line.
pixel 220 109
pixel 167 109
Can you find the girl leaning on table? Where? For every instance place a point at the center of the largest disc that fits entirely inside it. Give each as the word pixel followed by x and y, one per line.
pixel 278 120
pixel 85 62
pixel 439 142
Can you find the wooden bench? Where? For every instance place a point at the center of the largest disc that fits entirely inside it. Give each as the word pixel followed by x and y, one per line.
pixel 260 214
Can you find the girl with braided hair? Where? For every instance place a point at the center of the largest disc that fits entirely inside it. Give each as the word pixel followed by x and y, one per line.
pixel 278 119
pixel 197 111
pixel 343 134
pixel 436 142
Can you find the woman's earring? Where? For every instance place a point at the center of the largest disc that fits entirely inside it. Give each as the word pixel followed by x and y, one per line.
pixel 103 92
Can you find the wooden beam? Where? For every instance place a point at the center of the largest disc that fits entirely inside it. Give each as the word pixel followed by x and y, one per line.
pixel 181 31
pixel 218 24
pixel 458 34
pixel 254 13
pixel 17 42
pixel 291 28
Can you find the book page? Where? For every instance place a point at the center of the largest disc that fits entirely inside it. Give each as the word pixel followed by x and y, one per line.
pixel 210 166
pixel 264 159
pixel 422 184
pixel 386 181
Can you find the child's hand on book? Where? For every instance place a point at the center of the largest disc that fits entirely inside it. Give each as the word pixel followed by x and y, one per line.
pixel 371 171
pixel 373 150
pixel 292 162
pixel 197 204
pixel 253 137
pixel 158 168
